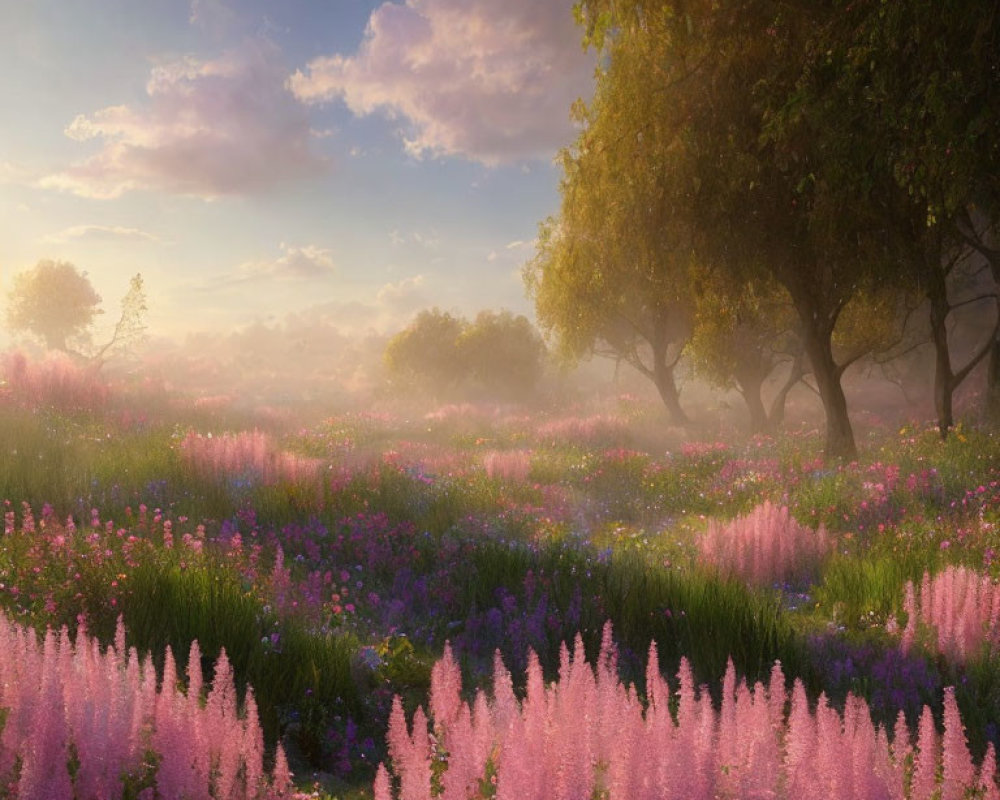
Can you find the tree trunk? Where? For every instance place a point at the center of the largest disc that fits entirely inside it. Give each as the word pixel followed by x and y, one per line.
pixel 819 347
pixel 776 416
pixel 992 398
pixel 944 378
pixel 750 384
pixel 663 377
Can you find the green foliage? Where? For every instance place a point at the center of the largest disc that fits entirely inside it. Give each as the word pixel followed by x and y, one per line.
pixel 503 354
pixel 694 614
pixel 427 350
pixel 611 272
pixel 861 592
pixel 498 356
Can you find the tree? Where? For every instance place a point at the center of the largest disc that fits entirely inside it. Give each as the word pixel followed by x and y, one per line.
pixel 426 352
pixel 928 74
pixel 499 354
pixel 744 338
pixel 56 302
pixel 611 272
pixel 130 328
pixel 53 301
pixel 759 157
pixel 503 354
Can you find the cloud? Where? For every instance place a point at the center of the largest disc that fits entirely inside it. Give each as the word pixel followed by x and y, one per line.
pixel 388 310
pixel 518 249
pixel 429 240
pixel 487 80
pixel 297 263
pixel 100 232
pixel 208 128
pixel 404 295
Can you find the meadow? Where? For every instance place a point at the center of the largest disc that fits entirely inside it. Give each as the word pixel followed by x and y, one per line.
pixel 463 602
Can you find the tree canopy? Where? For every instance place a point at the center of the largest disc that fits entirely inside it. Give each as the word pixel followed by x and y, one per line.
pixel 612 270
pixel 813 147
pixel 498 355
pixel 53 301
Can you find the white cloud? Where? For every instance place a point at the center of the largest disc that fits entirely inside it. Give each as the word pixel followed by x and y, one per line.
pixel 297 263
pixel 487 80
pixel 388 310
pixel 518 249
pixel 100 232
pixel 404 295
pixel 208 128
pixel 429 240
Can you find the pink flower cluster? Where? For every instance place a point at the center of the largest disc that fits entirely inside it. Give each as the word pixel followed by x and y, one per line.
pixel 70 703
pixel 511 466
pixel 703 449
pixel 465 412
pixel 594 429
pixel 765 546
pixel 959 607
pixel 56 381
pixel 589 736
pixel 249 454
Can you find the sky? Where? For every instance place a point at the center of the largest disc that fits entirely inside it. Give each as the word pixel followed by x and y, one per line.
pixel 258 160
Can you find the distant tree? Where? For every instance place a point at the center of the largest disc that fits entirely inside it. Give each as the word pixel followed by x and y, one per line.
pixel 130 328
pixel 745 339
pixel 502 354
pixel 57 303
pixel 53 301
pixel 426 352
pixel 498 354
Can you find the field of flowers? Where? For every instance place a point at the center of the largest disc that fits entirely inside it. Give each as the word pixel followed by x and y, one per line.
pixel 485 602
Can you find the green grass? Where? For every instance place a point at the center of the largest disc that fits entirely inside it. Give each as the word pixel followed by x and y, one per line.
pixel 171 605
pixel 859 591
pixel 688 613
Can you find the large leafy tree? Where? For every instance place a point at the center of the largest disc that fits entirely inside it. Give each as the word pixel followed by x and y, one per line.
pixel 612 271
pixel 53 301
pixel 759 155
pixel 927 74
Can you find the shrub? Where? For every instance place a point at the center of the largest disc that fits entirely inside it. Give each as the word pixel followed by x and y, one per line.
pixel 248 456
